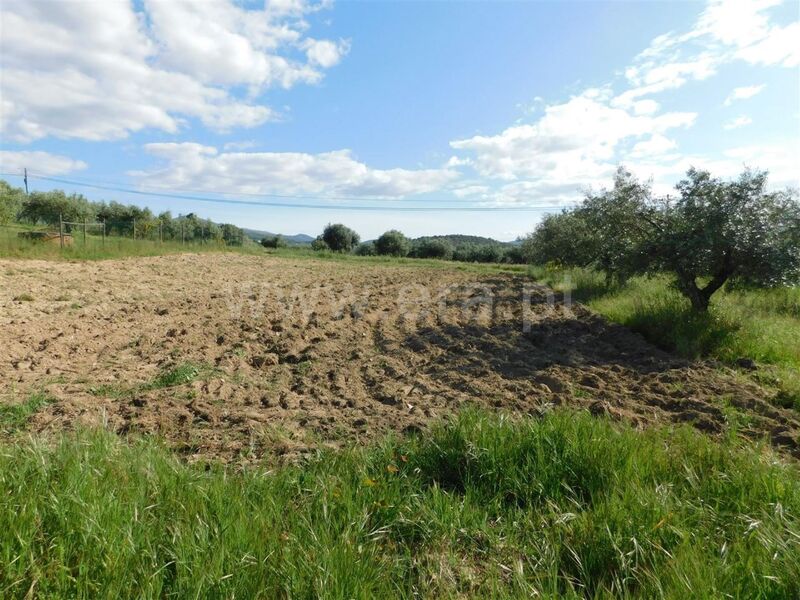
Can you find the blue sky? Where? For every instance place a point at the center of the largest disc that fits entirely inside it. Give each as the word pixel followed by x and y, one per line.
pixel 512 108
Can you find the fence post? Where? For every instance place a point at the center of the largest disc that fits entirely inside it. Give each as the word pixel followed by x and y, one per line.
pixel 104 233
pixel 61 229
pixel 84 231
pixel 134 227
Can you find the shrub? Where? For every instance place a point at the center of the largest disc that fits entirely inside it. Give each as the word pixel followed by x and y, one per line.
pixel 365 249
pixel 275 241
pixel 392 243
pixel 319 244
pixel 340 238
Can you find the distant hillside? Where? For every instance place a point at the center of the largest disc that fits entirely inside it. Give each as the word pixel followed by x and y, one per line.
pixel 458 239
pixel 298 238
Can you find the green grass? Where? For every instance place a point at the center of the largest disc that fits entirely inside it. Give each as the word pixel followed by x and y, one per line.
pixel 306 253
pixel 14 416
pixel 762 325
pixel 565 506
pixel 12 246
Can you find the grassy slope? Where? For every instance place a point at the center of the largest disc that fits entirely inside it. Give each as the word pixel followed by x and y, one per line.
pixel 762 325
pixel 566 505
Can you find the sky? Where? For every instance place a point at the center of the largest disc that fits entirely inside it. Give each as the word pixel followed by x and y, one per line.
pixel 431 117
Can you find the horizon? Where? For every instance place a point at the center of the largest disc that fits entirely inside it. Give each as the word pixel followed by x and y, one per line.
pixel 391 107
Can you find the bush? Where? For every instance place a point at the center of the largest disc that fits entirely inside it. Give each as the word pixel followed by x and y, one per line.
pixel 275 241
pixel 392 243
pixel 365 249
pixel 340 238
pixel 319 244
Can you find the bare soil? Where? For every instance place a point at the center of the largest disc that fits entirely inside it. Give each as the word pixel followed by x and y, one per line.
pixel 278 356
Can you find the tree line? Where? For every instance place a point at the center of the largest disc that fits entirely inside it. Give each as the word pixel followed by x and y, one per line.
pixel 48 208
pixel 337 237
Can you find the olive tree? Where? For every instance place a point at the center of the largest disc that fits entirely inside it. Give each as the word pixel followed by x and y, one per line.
pixel 11 200
pixel 392 243
pixel 340 238
pixel 716 231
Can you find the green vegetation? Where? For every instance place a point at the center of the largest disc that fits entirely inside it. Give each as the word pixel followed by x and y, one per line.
pixel 715 232
pixel 392 243
pixel 13 246
pixel 762 325
pixel 337 238
pixel 47 209
pixel 15 416
pixel 565 506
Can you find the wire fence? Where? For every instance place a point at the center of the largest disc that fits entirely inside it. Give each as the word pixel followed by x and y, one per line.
pixel 67 233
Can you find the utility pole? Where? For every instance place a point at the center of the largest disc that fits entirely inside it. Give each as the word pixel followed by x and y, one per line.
pixel 104 233
pixel 84 231
pixel 61 229
pixel 160 232
pixel 134 227
pixel 26 180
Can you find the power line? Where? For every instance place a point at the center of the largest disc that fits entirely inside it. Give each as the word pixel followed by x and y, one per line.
pixel 181 196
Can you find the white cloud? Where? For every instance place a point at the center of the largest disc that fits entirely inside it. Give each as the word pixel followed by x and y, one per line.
pixel 739 121
pixel 726 31
pixel 199 167
pixel 743 93
pixel 657 145
pixel 101 70
pixel 43 163
pixel 781 158
pixel 575 143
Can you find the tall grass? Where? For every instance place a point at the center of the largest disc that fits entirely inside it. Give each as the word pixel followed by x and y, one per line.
pixel 566 506
pixel 762 325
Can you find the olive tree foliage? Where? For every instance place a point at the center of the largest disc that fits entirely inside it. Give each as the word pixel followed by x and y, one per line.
pixel 339 238
pixel 392 243
pixel 11 200
pixel 711 233
pixel 716 232
pixel 562 239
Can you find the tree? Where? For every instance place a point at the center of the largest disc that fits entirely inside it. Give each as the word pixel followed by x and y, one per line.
pixel 11 200
pixel 564 239
pixel 49 207
pixel 365 249
pixel 432 248
pixel 340 238
pixel 717 231
pixel 392 243
pixel 619 221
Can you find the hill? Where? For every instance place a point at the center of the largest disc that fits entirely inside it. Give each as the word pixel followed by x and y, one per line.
pixel 298 238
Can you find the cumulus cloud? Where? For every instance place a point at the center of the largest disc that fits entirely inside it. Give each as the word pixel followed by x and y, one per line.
pixel 205 168
pixel 43 163
pixel 574 143
pixel 743 93
pixel 101 70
